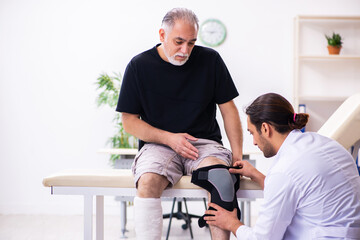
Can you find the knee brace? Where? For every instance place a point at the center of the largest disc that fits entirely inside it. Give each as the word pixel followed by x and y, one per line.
pixel 222 186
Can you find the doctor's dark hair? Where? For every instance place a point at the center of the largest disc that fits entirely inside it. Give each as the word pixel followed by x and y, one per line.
pixel 275 110
pixel 174 14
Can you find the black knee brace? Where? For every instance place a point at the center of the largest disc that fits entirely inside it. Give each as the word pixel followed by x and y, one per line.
pixel 222 186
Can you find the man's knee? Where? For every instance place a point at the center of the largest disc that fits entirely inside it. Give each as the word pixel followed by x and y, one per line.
pixel 209 161
pixel 151 185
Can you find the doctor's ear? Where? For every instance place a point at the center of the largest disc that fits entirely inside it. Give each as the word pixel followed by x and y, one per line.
pixel 265 128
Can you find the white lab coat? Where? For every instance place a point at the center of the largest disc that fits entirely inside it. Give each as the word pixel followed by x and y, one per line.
pixel 312 191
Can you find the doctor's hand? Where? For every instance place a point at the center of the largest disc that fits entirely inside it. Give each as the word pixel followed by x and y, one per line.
pixel 179 142
pixel 245 168
pixel 248 170
pixel 222 218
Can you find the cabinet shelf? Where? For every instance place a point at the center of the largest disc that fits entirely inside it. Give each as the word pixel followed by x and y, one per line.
pixel 305 98
pixel 316 17
pixel 329 57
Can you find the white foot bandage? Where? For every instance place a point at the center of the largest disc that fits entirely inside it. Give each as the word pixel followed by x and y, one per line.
pixel 148 218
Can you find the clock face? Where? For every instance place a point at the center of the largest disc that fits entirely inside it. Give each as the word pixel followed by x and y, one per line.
pixel 212 32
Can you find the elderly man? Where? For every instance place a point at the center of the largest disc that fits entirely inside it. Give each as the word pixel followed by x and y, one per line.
pixel 168 100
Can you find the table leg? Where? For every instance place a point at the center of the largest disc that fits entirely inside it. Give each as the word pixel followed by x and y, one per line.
pixel 99 217
pixel 123 218
pixel 247 214
pixel 88 212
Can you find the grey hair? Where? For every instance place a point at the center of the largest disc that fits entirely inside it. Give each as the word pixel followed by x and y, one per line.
pixel 174 14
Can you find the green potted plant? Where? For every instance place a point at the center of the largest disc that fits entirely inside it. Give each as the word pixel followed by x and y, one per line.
pixel 109 88
pixel 334 43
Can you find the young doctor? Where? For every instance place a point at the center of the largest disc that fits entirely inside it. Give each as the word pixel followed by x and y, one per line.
pixel 312 190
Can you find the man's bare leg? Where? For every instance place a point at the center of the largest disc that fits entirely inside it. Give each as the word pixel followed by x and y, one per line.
pixel 151 185
pixel 216 233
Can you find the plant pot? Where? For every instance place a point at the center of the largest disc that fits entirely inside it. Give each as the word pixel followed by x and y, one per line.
pixel 334 50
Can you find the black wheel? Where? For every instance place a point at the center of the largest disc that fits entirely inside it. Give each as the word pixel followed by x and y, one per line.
pixel 184 226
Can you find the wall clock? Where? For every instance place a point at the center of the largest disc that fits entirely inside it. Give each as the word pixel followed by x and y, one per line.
pixel 212 32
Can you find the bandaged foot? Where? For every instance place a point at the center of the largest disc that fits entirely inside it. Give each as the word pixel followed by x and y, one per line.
pixel 148 218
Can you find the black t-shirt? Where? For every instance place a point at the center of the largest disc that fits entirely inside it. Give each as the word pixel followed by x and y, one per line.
pixel 178 99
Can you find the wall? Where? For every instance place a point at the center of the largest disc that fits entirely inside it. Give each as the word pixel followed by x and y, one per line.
pixel 51 53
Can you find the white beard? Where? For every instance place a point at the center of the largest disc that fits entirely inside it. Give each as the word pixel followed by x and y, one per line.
pixel 172 59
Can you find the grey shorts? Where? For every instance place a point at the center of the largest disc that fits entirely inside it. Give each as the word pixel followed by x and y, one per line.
pixel 161 159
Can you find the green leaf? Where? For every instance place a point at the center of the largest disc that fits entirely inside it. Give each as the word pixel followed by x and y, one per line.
pixel 335 40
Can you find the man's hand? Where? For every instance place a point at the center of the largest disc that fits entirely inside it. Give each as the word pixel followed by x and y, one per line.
pixel 248 170
pixel 179 142
pixel 222 218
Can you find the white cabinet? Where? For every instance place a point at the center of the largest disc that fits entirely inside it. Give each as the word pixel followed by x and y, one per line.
pixel 322 81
